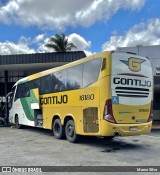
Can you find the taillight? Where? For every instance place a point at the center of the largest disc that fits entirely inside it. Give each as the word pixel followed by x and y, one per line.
pixel 151 113
pixel 108 112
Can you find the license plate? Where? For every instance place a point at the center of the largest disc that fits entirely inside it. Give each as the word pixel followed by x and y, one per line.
pixel 133 128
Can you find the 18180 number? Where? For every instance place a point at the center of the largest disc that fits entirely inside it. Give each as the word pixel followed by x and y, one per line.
pixel 86 97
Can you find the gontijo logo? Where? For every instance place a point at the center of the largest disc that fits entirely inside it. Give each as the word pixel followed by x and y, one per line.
pixel 134 64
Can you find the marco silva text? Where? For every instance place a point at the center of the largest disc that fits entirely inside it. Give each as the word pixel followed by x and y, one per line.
pixel 147 170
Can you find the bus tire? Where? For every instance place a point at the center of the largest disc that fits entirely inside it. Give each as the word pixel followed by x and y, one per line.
pixel 18 126
pixel 70 132
pixel 58 129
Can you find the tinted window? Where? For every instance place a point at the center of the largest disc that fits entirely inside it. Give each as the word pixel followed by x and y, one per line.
pixel 72 78
pixel 45 84
pixel 59 81
pixel 34 84
pixel 22 91
pixel 75 77
pixel 157 98
pixel 91 71
pixel 10 98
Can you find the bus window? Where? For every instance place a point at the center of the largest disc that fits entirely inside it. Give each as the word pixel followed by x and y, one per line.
pixel 91 71
pixel 45 84
pixel 75 77
pixel 22 91
pixel 10 100
pixel 59 80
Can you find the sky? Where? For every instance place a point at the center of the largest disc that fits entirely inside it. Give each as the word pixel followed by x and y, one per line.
pixel 92 25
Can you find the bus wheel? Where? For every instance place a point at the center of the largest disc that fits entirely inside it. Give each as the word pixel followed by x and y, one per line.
pixel 70 132
pixel 18 126
pixel 58 129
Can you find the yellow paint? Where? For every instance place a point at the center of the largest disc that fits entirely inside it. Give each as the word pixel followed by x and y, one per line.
pixel 123 129
pixel 36 93
pixel 125 113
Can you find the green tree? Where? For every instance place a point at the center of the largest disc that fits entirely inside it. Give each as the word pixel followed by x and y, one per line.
pixel 60 43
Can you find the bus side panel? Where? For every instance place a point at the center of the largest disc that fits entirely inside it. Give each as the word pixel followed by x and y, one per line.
pixel 27 104
pixel 22 108
pixel 48 112
pixel 105 93
pixel 77 101
pixel 18 109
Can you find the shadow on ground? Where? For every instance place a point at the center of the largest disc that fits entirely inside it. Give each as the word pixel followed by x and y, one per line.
pixel 106 146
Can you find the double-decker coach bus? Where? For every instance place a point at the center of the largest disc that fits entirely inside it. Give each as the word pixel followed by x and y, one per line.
pixel 106 94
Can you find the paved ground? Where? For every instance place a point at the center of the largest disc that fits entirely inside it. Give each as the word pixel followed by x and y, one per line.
pixel 37 147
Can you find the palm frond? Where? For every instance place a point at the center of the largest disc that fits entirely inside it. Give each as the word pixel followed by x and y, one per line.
pixel 60 43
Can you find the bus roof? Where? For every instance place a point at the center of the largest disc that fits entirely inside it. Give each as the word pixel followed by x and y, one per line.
pixel 52 70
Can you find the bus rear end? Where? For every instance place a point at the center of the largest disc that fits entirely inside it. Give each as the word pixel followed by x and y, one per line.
pixel 129 109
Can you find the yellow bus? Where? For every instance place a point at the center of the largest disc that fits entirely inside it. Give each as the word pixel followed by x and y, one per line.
pixel 106 94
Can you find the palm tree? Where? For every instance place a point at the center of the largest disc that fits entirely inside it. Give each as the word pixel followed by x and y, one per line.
pixel 60 43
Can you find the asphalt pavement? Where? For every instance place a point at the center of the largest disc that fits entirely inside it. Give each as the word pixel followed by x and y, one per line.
pixel 38 147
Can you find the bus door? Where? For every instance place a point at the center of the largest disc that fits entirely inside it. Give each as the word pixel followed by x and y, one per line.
pixel 9 101
pixel 9 105
pixel 35 109
pixel 30 106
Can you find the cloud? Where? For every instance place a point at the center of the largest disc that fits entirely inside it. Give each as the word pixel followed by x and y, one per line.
pixel 23 46
pixel 39 38
pixel 10 48
pixel 42 48
pixel 102 10
pixel 88 53
pixel 141 34
pixel 59 14
pixel 37 44
pixel 79 41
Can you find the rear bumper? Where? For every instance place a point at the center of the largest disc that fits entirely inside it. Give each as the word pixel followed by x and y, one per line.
pixel 110 129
